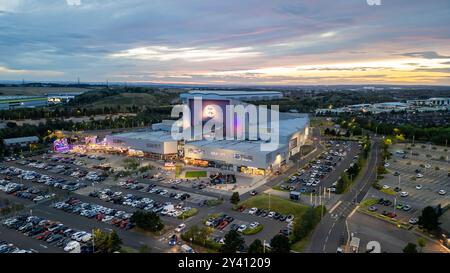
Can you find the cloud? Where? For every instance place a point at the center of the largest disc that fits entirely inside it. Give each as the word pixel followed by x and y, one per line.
pixel 73 2
pixel 425 55
pixel 179 40
pixel 4 71
pixel 10 5
pixel 167 53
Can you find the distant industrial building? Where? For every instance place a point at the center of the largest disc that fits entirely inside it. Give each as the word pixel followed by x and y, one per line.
pixel 430 102
pixel 20 141
pixel 425 105
pixel 56 98
pixel 14 102
pixel 232 95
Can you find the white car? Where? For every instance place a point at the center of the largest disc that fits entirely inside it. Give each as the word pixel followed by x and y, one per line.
pixel 290 218
pixel 442 192
pixel 427 166
pixel 72 245
pixel 386 164
pixel 404 194
pixel 242 228
pixel 419 175
pixel 413 221
pixel 271 214
pixel 180 228
pixel 419 187
pixel 252 210
pixel 386 187
pixel 86 237
pixel 254 225
pixel 38 198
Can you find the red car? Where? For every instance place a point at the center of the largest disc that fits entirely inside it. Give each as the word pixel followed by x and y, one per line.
pixel 222 225
pixel 99 217
pixel 392 215
pixel 43 235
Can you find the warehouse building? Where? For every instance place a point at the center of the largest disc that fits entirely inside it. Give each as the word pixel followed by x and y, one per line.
pixel 20 142
pixel 239 155
pixel 158 145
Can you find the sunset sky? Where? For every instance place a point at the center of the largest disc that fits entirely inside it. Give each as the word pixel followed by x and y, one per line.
pixel 250 42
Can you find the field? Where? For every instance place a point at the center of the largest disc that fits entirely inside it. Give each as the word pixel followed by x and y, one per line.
pixel 277 204
pixel 38 91
pixel 128 99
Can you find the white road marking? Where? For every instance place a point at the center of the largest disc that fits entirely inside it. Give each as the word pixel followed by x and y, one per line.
pixel 335 206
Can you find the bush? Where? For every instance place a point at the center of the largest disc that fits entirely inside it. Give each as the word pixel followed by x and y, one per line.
pixel 189 213
pixel 309 220
pixel 201 237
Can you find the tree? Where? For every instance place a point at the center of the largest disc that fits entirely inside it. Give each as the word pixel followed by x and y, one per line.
pixel 429 219
pixel 114 242
pixel 309 220
pixel 256 247
pixel 106 242
pixel 421 243
pixel 198 235
pixel 235 198
pixel 147 220
pixel 232 243
pixel 410 248
pixel 280 244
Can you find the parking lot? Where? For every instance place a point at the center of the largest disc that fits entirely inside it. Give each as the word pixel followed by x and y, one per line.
pixel 32 183
pixel 417 177
pixel 325 170
pixel 244 222
pixel 49 233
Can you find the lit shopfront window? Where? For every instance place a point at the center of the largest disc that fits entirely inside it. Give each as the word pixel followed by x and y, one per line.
pixel 252 171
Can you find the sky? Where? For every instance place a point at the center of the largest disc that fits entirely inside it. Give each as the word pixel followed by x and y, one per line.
pixel 243 42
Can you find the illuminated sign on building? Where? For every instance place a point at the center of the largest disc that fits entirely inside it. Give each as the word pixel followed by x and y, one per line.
pixel 61 145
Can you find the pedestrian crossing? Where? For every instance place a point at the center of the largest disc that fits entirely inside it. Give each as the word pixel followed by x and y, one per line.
pixel 343 210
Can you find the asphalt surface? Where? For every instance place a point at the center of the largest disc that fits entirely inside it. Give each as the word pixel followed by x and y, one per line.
pixel 391 238
pixel 332 230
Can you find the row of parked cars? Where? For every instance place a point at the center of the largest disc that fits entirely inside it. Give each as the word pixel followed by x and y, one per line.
pixel 51 232
pixel 6 247
pixel 219 222
pixel 111 216
pixel 59 167
pixel 271 214
pixel 23 191
pixel 139 202
pixel 36 177
pixel 152 188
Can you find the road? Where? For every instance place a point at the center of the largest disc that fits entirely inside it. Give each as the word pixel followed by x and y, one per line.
pixel 332 230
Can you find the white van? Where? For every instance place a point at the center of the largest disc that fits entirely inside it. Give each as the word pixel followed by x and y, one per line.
pixel 187 249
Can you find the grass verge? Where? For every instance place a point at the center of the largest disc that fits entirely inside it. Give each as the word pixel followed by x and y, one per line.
pixel 276 203
pixel 189 213
pixel 195 174
pixel 251 231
